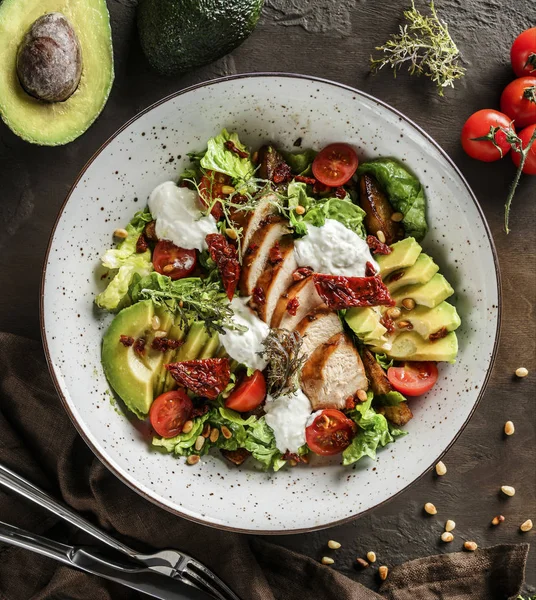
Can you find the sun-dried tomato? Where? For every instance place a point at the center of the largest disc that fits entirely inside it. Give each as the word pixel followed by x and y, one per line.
pixel 340 192
pixel 126 340
pixel 275 256
pixel 139 346
pixel 210 188
pixel 200 410
pixel 388 323
pixel 162 344
pixel 340 292
pixel 350 403
pixel 396 276
pixel 302 273
pixel 150 231
pixel 320 188
pixel 370 270
pixel 224 254
pixel 292 306
pixel 441 333
pixel 303 179
pixel 282 173
pixel 376 246
pixel 232 147
pixel 259 297
pixel 142 244
pixel 295 457
pixel 205 377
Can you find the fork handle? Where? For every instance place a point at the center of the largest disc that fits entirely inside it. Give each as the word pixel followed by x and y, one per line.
pixel 23 487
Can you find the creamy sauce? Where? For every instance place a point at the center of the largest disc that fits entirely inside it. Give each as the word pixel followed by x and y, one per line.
pixel 178 216
pixel 244 346
pixel 333 249
pixel 287 416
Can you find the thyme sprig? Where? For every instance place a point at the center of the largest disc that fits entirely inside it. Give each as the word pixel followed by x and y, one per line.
pixel 426 46
pixel 282 351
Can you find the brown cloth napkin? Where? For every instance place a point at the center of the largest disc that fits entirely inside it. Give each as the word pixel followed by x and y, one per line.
pixel 38 441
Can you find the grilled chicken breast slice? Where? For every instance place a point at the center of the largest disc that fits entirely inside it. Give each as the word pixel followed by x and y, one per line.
pixel 251 221
pixel 317 327
pixel 303 296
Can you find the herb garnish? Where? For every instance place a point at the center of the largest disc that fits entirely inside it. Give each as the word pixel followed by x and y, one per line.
pixel 282 350
pixel 426 45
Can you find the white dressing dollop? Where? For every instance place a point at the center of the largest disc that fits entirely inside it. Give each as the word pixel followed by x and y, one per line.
pixel 287 415
pixel 178 216
pixel 244 346
pixel 333 249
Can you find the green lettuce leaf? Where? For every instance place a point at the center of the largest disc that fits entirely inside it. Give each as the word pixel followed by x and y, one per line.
pixel 300 162
pixel 404 192
pixel 183 444
pixel 297 196
pixel 260 442
pixel 235 423
pixel 393 398
pixel 218 158
pixel 342 210
pixel 384 361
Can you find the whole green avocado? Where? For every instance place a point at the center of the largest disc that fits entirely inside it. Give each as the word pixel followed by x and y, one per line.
pixel 177 35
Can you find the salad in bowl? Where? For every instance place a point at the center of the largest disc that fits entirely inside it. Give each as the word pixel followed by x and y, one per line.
pixel 277 305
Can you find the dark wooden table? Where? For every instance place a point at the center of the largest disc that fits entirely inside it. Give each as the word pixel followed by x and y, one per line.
pixel 334 40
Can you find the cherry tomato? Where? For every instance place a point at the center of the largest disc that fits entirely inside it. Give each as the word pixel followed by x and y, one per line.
pixel 335 164
pixel 169 412
pixel 478 125
pixel 413 378
pixel 530 162
pixel 523 53
pixel 248 394
pixel 330 433
pixel 518 101
pixel 210 188
pixel 173 261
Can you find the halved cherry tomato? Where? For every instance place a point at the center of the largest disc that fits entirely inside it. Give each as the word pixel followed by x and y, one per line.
pixel 210 188
pixel 413 378
pixel 335 164
pixel 518 101
pixel 529 167
pixel 330 433
pixel 479 125
pixel 248 394
pixel 169 412
pixel 523 53
pixel 173 261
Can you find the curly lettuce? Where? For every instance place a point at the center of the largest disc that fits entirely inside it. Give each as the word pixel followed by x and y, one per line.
pixel 260 442
pixel 219 158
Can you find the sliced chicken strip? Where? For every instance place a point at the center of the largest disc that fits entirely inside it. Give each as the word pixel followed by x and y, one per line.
pixel 305 299
pixel 317 327
pixel 250 221
pixel 277 276
pixel 271 230
pixel 333 373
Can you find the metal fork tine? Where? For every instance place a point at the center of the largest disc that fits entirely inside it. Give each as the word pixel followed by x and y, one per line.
pixel 202 584
pixel 217 586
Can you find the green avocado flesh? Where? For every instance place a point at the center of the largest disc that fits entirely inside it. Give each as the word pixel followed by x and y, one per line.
pixel 56 123
pixel 177 35
pixel 409 345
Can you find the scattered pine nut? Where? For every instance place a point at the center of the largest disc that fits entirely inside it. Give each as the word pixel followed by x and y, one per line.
pixel 161 333
pixel 155 322
pixel 496 520
pixel 440 468
pixel 394 312
pixel 397 217
pixel 408 303
pixel 227 189
pixel 371 556
pixel 300 210
pixel 333 545
pixel 214 435
pixel 361 395
pixel 231 233
pixel 226 432
pixel 403 324
pixel 193 459
pixel 430 508
pixel 326 560
pixel 470 546
pixel 206 430
pixel 447 537
pixel 167 268
pixel 121 233
pixel 526 526
pixel 292 462
pixel 383 571
pixel 187 427
pixel 362 563
pixel 450 525
pixel 199 442
pixel 381 236
pixel 509 428
pixel 522 372
pixel 508 490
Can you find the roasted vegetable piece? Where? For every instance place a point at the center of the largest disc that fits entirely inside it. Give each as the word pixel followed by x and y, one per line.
pixel 236 456
pixel 379 210
pixel 398 415
pixel 377 377
pixel 272 165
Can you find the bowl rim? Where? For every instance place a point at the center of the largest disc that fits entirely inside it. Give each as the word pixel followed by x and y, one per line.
pixel 268 74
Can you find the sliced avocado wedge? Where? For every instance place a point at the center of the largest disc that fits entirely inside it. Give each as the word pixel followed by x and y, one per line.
pixel 421 272
pixel 365 323
pixel 211 347
pixel 426 321
pixel 55 123
pixel 430 294
pixel 403 255
pixel 176 332
pixel 409 345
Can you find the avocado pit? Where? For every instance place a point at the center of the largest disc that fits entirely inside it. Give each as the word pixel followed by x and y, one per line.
pixel 49 59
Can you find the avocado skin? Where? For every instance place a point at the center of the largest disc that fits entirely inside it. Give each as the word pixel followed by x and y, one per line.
pixel 177 35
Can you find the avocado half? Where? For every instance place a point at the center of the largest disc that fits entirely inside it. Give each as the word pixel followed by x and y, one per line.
pixel 56 123
pixel 177 35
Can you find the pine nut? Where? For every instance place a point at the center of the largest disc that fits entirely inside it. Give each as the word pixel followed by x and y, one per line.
pixel 121 233
pixel 403 324
pixel 381 236
pixel 393 313
pixel 362 563
pixel 155 322
pixel 397 217
pixel 361 395
pixel 227 189
pixel 333 545
pixel 226 432
pixel 292 462
pixel 214 435
pixel 440 468
pixel 470 546
pixel 383 571
pixel 509 428
pixel 326 560
pixel 508 490
pixel 371 556
pixel 160 333
pixel 408 303
pixel 199 442
pixel 522 372
pixel 450 525
pixel 193 459
pixel 187 427
pixel 526 526
pixel 447 537
pixel 206 430
pixel 299 210
pixel 430 508
pixel 167 268
pixel 497 520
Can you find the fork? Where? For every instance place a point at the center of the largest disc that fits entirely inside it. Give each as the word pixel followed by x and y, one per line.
pixel 170 562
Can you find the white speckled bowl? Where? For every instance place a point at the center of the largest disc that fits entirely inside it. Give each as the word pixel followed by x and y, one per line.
pixel 152 148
